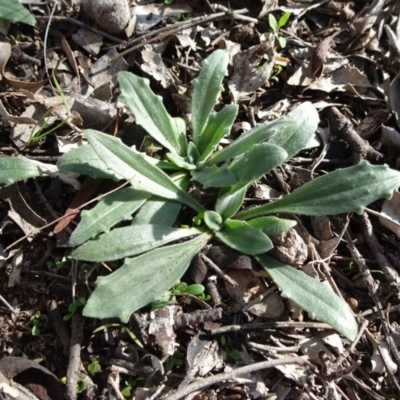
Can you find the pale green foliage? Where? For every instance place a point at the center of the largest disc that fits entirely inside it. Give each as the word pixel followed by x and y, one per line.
pixel 315 297
pixel 141 280
pixel 14 11
pixel 14 169
pixel 157 196
pixel 276 25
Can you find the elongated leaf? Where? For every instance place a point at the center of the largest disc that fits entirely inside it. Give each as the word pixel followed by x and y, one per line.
pixel 256 162
pixel 14 169
pixel 129 241
pixel 141 280
pixel 272 225
pixel 193 154
pixel 150 112
pixel 219 125
pixel 230 200
pixel 247 140
pixel 110 210
pixel 245 238
pixel 214 176
pixel 134 167
pixel 14 11
pixel 160 211
pixel 85 161
pixel 289 132
pixel 345 190
pixel 304 122
pixel 317 298
pixel 157 211
pixel 206 89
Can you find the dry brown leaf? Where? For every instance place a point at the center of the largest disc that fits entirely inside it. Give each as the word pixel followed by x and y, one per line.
pixel 251 287
pixel 251 69
pixel 5 53
pixel 151 14
pixel 153 64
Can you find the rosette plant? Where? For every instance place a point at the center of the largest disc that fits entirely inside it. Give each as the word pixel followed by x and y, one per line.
pixel 155 248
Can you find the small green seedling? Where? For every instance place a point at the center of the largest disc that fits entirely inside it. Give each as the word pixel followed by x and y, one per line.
pixel 80 385
pixel 181 288
pixel 277 25
pixel 227 352
pixel 129 384
pixel 94 367
pixel 128 331
pixel 54 266
pixel 73 307
pixel 176 360
pixel 40 130
pixel 39 322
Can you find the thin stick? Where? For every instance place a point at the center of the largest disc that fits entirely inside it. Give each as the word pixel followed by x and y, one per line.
pixel 195 386
pixel 172 30
pixel 74 357
pixel 8 305
pixel 74 212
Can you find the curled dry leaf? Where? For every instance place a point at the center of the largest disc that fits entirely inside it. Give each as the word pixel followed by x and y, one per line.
pixel 249 288
pixel 252 69
pixel 5 53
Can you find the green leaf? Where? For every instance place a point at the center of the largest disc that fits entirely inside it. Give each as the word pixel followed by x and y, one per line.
pixel 256 162
pixel 180 161
pixel 345 190
pixel 213 220
pixel 14 169
pixel 302 124
pixel 230 200
pixel 317 298
pixel 150 112
pixel 194 289
pixel 219 125
pixel 289 132
pixel 193 154
pixel 272 225
pixel 134 167
pixel 85 161
pixel 284 19
pixel 141 280
pixel 242 237
pixel 110 210
pixel 247 140
pixel 206 89
pixel 14 11
pixel 273 24
pixel 129 241
pixel 159 211
pixel 214 176
pixel 282 42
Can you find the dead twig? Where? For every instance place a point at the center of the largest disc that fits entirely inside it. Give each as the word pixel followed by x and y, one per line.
pixel 165 32
pixel 74 361
pixel 372 287
pixel 268 325
pixel 212 380
pixel 390 273
pixel 342 127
